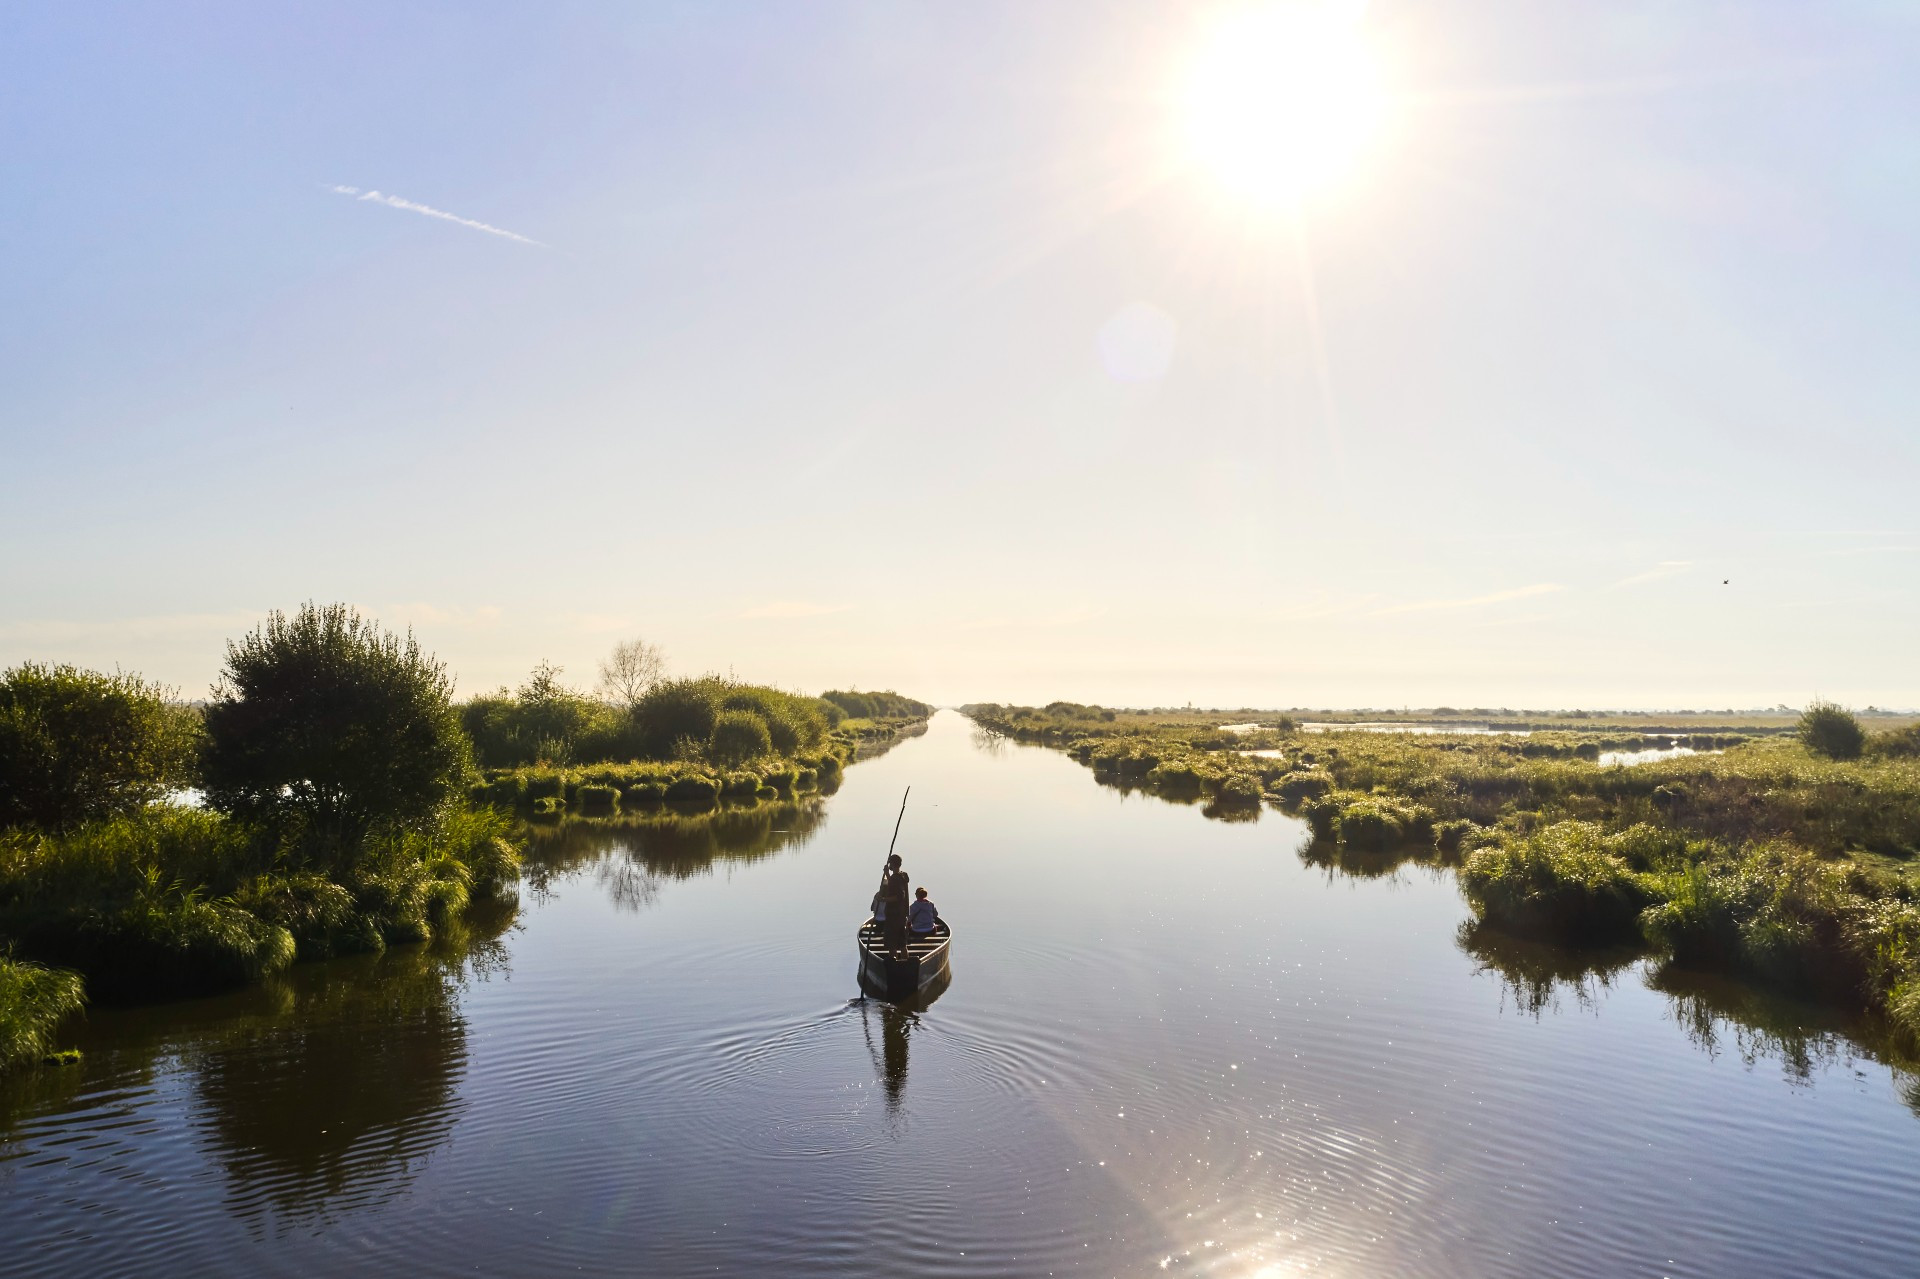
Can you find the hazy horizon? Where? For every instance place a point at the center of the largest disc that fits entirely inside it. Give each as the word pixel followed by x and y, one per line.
pixel 933 349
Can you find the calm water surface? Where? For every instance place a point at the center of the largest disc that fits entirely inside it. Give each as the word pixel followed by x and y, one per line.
pixel 1170 1045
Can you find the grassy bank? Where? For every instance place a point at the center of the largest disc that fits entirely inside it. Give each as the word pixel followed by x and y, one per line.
pixel 170 901
pixel 1769 860
pixel 694 784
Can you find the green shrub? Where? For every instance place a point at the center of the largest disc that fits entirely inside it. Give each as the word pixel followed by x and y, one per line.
pixel 882 705
pixel 1178 777
pixel 646 792
pixel 737 737
pixel 781 779
pixel 1370 825
pixel 738 785
pixel 1322 814
pixel 34 1000
pixel 78 746
pixel 694 788
pixel 806 779
pixel 1831 730
pixel 321 916
pixel 537 786
pixel 1560 882
pixel 509 790
pixel 676 710
pixel 106 864
pixel 593 798
pixel 1298 788
pixel 1902 743
pixel 1454 834
pixel 547 805
pixel 1786 916
pixel 167 945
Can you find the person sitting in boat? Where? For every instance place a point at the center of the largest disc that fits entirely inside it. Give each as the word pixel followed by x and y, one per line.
pixel 921 916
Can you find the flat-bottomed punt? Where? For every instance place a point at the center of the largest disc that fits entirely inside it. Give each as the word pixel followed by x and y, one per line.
pixel 894 978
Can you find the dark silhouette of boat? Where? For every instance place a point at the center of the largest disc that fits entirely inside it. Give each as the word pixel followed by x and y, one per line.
pixel 891 978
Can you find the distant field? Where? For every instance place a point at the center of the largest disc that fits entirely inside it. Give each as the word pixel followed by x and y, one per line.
pixel 1683 721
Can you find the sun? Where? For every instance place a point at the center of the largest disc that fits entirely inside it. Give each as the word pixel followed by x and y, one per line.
pixel 1283 101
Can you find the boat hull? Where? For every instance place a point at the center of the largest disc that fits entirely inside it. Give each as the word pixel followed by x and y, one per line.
pixel 897 978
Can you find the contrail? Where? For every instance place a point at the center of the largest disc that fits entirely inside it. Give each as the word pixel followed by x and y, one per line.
pixel 396 202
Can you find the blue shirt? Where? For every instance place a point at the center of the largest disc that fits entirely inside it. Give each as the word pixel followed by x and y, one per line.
pixel 920 916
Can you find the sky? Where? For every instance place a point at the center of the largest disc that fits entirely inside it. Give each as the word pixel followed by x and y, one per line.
pixel 1466 352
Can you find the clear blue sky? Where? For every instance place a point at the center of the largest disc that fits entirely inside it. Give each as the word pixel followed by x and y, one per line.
pixel 910 345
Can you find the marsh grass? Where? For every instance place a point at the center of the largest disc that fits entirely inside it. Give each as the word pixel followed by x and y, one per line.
pixel 34 1000
pixel 1775 861
pixel 169 902
pixel 604 789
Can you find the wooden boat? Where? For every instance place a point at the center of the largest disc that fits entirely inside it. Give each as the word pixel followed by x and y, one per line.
pixel 891 978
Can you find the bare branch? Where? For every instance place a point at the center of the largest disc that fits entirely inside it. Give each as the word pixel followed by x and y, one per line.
pixel 630 670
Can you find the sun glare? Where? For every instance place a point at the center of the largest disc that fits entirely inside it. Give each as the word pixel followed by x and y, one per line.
pixel 1283 101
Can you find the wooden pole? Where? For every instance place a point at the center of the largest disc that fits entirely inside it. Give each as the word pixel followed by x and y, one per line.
pixel 896 824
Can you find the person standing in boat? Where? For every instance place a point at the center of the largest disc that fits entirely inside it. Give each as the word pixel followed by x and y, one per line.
pixel 893 896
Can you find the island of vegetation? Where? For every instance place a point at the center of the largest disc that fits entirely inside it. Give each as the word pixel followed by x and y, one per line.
pixel 332 797
pixel 1784 851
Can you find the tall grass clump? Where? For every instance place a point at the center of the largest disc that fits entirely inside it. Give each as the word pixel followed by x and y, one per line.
pixel 1778 913
pixel 1562 881
pixel 34 999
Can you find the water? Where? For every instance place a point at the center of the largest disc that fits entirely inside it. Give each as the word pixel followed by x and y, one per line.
pixel 1647 755
pixel 1170 1046
pixel 1386 726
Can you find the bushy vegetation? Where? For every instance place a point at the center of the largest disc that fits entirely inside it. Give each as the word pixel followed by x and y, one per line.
pixel 548 725
pixel 327 721
pixel 602 789
pixel 1788 859
pixel 34 999
pixel 1832 731
pixel 882 705
pixel 336 773
pixel 80 746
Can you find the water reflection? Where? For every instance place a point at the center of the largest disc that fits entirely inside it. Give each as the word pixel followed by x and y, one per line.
pixel 1535 974
pixel 898 1021
pixel 330 1102
pixel 313 1095
pixel 631 856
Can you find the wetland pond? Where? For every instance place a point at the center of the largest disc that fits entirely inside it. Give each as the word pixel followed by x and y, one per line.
pixel 1170 1045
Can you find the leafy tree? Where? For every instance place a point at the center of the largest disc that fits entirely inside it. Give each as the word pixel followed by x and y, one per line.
pixel 77 745
pixel 552 719
pixel 630 670
pixel 1832 731
pixel 327 718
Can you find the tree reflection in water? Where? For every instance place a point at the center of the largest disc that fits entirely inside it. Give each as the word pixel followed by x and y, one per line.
pixel 330 1102
pixel 632 855
pixel 1535 974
